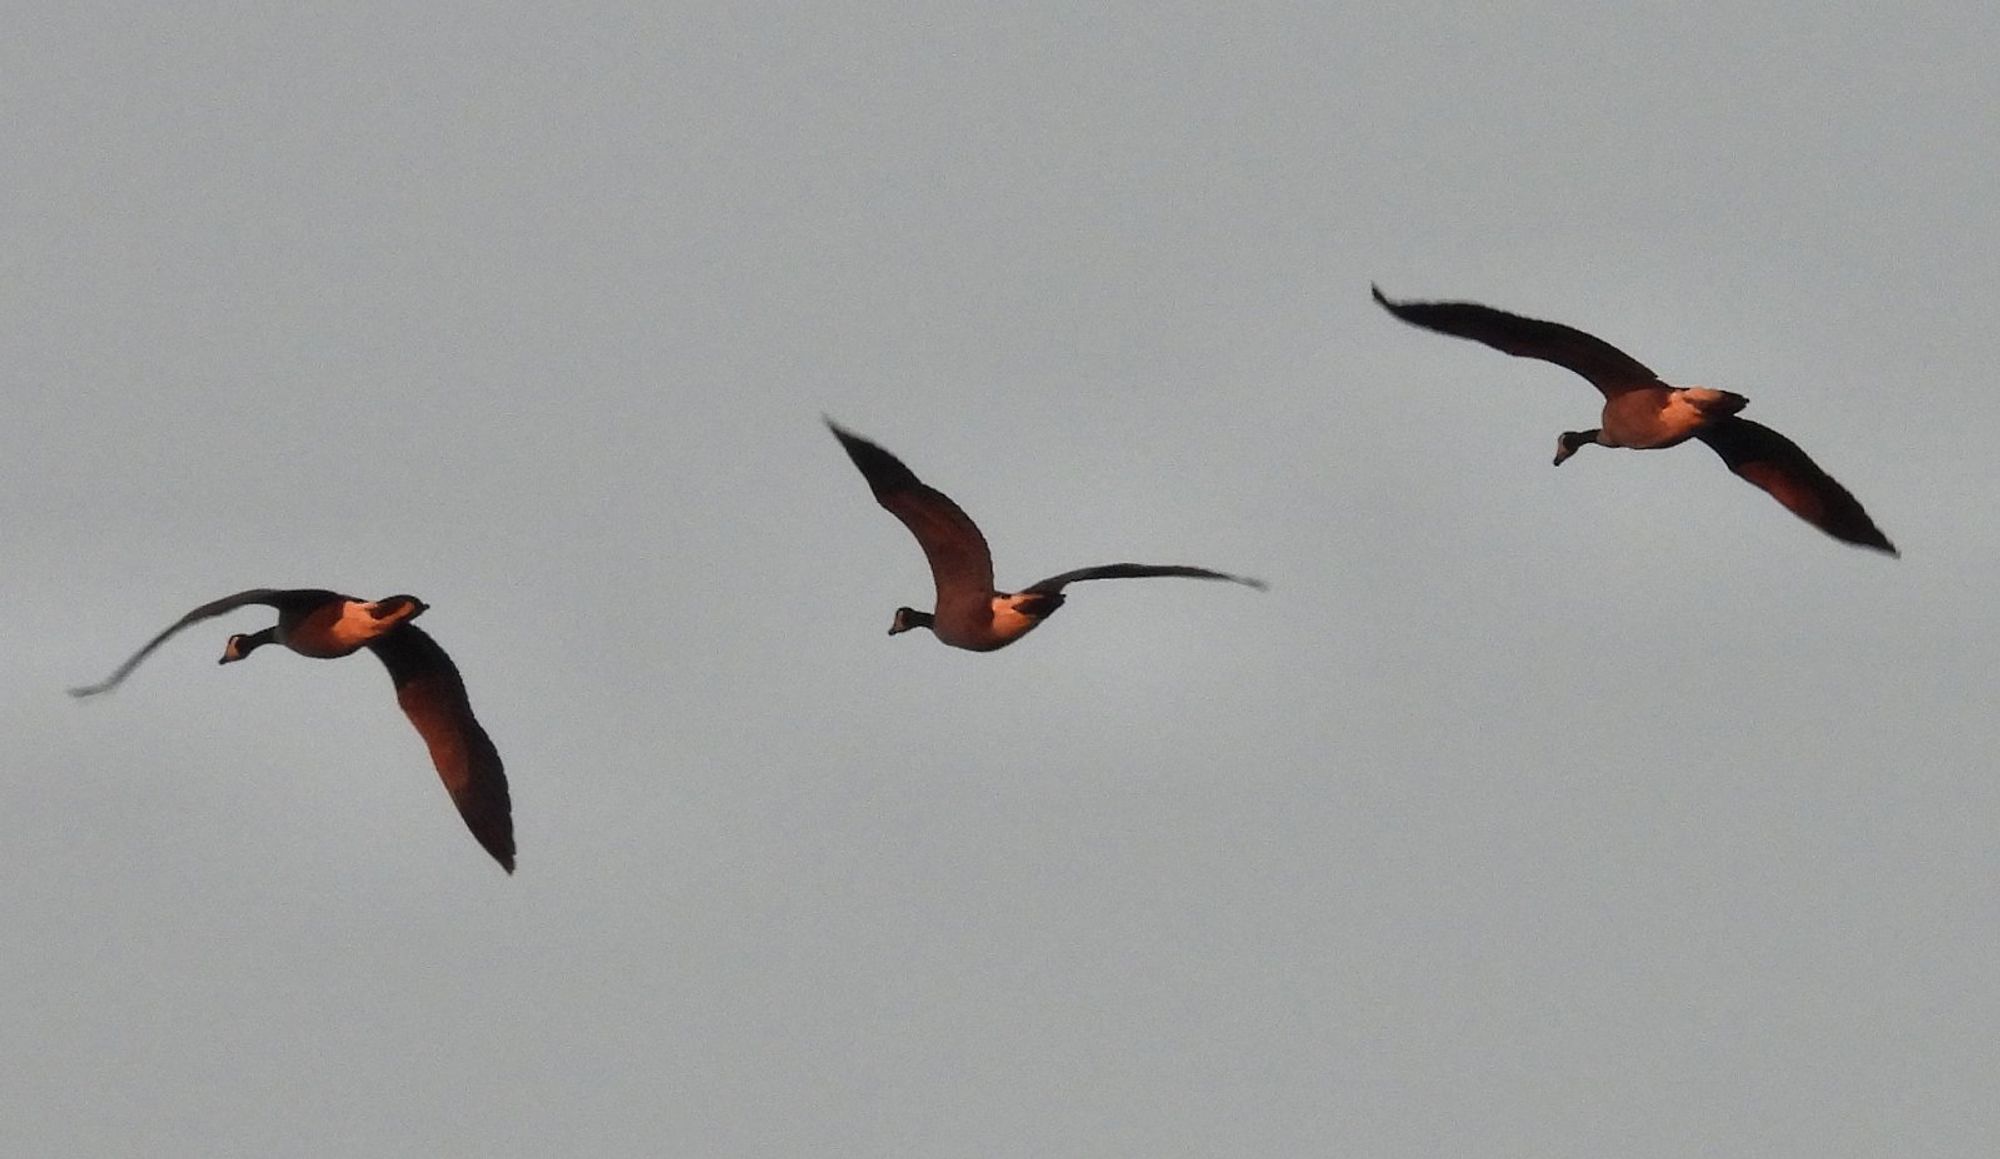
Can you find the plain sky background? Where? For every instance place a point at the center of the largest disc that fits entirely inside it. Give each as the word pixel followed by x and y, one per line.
pixel 1601 811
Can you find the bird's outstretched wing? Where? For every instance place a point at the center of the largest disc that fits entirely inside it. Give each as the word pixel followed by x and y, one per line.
pixel 279 598
pixel 961 563
pixel 1775 463
pixel 1056 583
pixel 1608 368
pixel 432 694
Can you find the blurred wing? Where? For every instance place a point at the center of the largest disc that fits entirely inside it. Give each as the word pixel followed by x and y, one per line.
pixel 275 597
pixel 433 697
pixel 960 561
pixel 1608 368
pixel 1775 463
pixel 1056 583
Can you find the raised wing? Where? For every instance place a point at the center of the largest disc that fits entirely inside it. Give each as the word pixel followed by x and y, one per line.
pixel 432 694
pixel 1608 368
pixel 279 598
pixel 961 563
pixel 1056 583
pixel 1775 463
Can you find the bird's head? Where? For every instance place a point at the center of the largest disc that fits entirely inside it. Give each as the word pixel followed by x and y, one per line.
pixel 1568 442
pixel 907 618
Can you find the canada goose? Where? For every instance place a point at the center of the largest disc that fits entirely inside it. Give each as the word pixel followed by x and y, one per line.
pixel 325 625
pixel 1642 412
pixel 970 614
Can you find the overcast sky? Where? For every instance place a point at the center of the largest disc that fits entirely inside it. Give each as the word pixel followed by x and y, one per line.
pixel 1601 811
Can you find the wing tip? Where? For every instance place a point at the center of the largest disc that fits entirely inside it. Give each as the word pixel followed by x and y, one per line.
pixel 848 439
pixel 494 832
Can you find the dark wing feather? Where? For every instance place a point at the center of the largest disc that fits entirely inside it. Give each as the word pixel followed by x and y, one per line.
pixel 1608 368
pixel 960 561
pixel 433 697
pixel 1056 583
pixel 1775 463
pixel 280 598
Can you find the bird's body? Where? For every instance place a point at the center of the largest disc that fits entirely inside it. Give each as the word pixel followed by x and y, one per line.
pixel 326 625
pixel 1663 416
pixel 969 612
pixel 1643 413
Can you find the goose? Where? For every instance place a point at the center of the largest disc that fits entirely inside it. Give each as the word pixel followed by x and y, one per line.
pixel 326 625
pixel 1644 413
pixel 970 613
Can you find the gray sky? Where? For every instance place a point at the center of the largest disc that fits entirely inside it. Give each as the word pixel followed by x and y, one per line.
pixel 1602 811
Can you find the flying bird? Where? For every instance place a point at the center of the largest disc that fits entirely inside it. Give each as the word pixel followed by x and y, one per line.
pixel 325 625
pixel 1643 413
pixel 969 613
